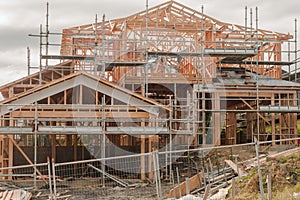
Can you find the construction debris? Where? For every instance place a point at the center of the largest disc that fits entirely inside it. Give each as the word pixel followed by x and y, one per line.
pixel 282 169
pixel 191 197
pixel 135 82
pixel 15 195
pixel 187 186
pixel 235 168
pixel 117 180
pixel 285 153
pixel 274 156
pixel 221 194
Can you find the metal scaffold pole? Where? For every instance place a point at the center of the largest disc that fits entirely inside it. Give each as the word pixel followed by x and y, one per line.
pixel 170 131
pixel 28 61
pixel 257 114
pixel 146 48
pixel 103 47
pixel 47 33
pixel 35 143
pixel 41 54
pixel 246 24
pixel 96 46
pixel 103 141
pixel 289 57
pixel 296 50
pixel 203 78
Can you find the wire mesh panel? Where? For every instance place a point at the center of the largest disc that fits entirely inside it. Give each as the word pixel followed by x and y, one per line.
pixel 155 175
pixel 27 177
pixel 191 170
pixel 125 176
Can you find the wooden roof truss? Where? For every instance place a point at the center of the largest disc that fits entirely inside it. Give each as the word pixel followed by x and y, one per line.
pixel 172 28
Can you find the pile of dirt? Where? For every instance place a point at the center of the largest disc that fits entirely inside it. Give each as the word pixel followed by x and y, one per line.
pixel 285 176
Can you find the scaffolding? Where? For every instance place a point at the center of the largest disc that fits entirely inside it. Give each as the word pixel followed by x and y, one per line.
pixel 169 77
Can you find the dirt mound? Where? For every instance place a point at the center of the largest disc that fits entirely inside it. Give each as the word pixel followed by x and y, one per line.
pixel 285 173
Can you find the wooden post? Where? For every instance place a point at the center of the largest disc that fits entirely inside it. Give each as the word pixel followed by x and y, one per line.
pixel 178 181
pixel 24 155
pixel 233 189
pixel 269 183
pixel 65 97
pixel 75 153
pixel 187 185
pixel 143 164
pixel 230 131
pixel 281 120
pixel 10 156
pixel 216 124
pixel 151 148
pixel 273 124
pixel 75 139
pixel 206 193
pixel 53 147
pixel 150 160
pixel 294 124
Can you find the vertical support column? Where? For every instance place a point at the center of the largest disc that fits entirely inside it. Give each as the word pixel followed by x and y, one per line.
pixel 170 133
pixel 53 147
pixel 80 99
pixel 155 158
pixel 65 97
pixel 47 33
pixel 194 118
pixel 49 178
pixel 1 150
pixel 96 97
pixel 150 160
pixel 75 139
pixel 216 119
pixel 103 140
pixel 280 118
pixel 54 179
pixel 96 45
pixel 230 132
pixel 7 153
pixel 35 142
pixel 150 149
pixel 41 52
pixel 28 61
pixel 249 118
pixel 294 118
pixel 296 49
pixel 204 131
pixel 273 124
pixel 10 152
pixel 153 146
pixel 146 49
pixel 143 150
pixel 203 76
pixel 103 48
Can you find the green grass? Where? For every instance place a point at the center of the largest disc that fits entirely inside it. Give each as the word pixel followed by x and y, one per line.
pixel 277 127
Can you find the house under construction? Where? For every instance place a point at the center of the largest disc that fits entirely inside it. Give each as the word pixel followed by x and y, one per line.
pixel 169 77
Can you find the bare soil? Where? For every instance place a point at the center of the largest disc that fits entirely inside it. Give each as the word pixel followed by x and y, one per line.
pixel 285 176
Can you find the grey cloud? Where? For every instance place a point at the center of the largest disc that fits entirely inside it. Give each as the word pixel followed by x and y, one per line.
pixel 14 37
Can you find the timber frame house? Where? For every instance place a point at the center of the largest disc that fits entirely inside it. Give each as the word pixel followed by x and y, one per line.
pixel 166 78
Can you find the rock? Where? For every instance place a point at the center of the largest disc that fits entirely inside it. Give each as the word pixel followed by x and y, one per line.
pixel 296 194
pixel 117 188
pixel 191 197
pixel 221 194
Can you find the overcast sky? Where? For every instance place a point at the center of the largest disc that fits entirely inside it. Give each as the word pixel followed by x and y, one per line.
pixel 18 18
